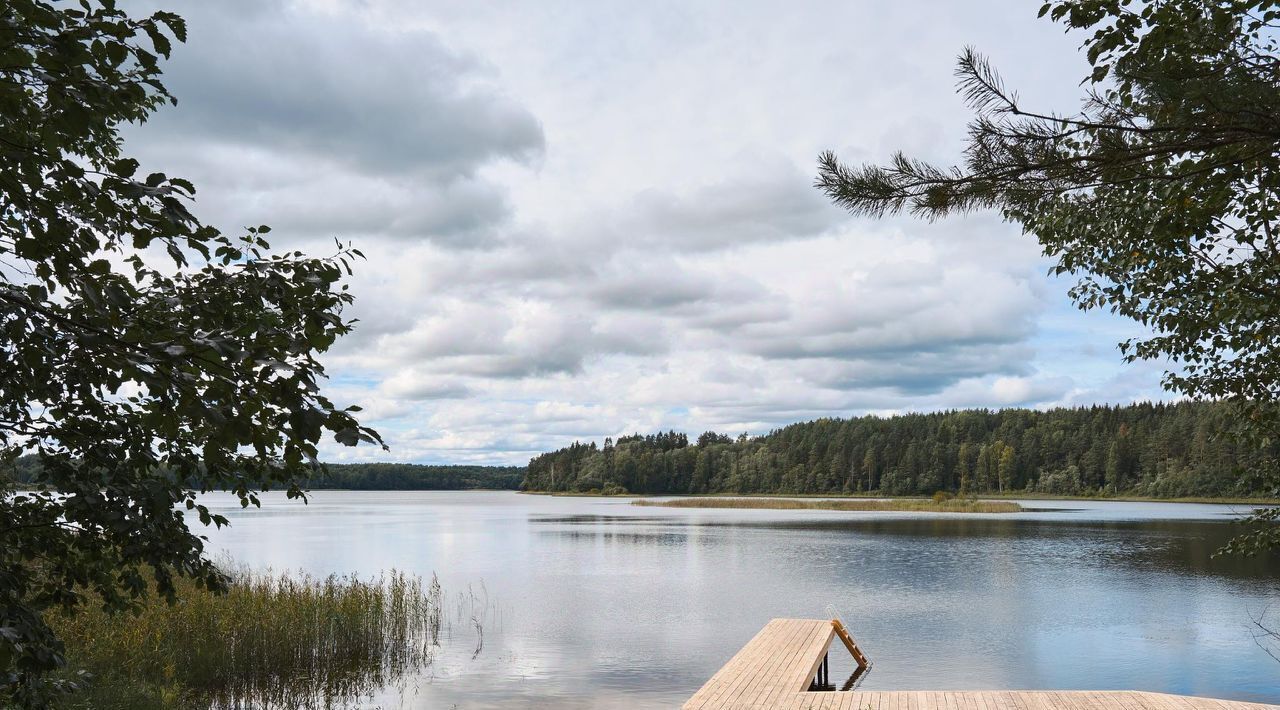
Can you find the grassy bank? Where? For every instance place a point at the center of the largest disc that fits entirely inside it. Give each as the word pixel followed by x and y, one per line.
pixel 1019 495
pixel 273 641
pixel 587 494
pixel 924 505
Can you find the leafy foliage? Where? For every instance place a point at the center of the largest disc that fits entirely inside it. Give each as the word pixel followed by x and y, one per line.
pixel 1159 450
pixel 143 349
pixel 1160 194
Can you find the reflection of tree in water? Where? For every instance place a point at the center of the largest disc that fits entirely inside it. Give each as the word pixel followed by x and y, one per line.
pixel 1170 545
pixel 1174 546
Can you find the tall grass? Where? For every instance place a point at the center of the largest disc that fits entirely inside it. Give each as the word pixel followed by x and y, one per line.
pixel 950 505
pixel 273 641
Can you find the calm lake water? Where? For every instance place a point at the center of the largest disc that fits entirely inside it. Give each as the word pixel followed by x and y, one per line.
pixel 593 602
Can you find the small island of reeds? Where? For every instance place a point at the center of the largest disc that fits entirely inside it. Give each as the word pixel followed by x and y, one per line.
pixel 916 505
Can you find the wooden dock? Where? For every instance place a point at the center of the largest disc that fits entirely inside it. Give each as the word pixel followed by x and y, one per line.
pixel 777 668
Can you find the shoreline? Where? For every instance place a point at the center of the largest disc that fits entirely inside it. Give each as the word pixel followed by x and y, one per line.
pixel 963 506
pixel 1262 501
pixel 872 496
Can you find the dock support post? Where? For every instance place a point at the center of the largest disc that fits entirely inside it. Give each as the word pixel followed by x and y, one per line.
pixel 822 678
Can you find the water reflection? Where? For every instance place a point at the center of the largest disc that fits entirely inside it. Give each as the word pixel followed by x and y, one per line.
pixel 608 605
pixel 1178 546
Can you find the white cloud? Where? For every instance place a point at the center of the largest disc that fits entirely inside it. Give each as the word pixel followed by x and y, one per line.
pixel 322 122
pixel 589 219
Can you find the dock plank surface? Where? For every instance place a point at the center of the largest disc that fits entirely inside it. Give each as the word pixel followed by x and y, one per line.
pixel 775 668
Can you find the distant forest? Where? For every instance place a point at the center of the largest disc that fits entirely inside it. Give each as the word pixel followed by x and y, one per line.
pixel 1161 450
pixel 418 477
pixel 363 476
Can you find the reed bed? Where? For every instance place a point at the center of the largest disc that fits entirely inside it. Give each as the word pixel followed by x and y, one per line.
pixel 273 641
pixel 923 505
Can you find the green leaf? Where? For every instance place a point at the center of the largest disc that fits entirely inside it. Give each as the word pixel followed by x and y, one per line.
pixel 125 167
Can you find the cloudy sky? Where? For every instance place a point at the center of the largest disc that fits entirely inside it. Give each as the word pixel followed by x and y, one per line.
pixel 591 218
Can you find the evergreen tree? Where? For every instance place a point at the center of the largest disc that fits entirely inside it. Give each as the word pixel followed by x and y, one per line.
pixel 1165 450
pixel 1161 195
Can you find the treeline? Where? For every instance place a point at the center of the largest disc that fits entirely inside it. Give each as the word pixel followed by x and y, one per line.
pixel 418 477
pixel 1162 450
pixel 25 470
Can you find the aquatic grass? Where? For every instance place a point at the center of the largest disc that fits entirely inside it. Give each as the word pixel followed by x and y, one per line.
pixel 475 610
pixel 275 640
pixel 923 505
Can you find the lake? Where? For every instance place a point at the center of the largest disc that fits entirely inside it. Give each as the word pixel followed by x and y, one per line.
pixel 592 602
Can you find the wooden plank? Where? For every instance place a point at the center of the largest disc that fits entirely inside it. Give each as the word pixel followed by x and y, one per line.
pixel 773 661
pixel 728 671
pixel 1067 700
pixel 1004 701
pixel 805 664
pixel 755 662
pixel 787 681
pixel 1025 700
pixel 803 657
pixel 767 662
pixel 775 667
pixel 1121 701
pixel 716 689
pixel 1010 702
pixel 1061 700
